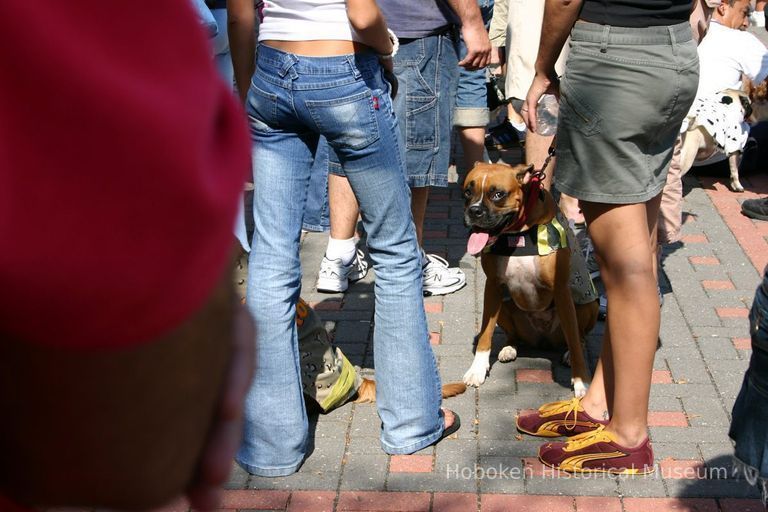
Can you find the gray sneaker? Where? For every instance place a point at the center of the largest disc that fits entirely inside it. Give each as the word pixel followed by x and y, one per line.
pixel 439 278
pixel 755 208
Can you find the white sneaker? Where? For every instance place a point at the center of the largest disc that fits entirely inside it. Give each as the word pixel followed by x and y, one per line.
pixel 757 19
pixel 335 277
pixel 439 279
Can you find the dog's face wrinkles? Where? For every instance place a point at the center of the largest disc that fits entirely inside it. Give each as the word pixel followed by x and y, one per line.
pixel 492 196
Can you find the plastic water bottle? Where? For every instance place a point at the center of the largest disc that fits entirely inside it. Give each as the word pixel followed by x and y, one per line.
pixel 546 115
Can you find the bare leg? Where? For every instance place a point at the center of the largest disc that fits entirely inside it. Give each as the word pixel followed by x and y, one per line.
pixel 343 207
pixel 571 208
pixel 628 271
pixel 419 196
pixel 472 144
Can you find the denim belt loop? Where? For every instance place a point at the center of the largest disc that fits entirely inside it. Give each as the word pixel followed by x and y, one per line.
pixel 672 40
pixel 353 67
pixel 604 38
pixel 288 63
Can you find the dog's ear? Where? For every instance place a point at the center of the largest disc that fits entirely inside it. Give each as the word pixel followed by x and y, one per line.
pixel 524 175
pixel 745 104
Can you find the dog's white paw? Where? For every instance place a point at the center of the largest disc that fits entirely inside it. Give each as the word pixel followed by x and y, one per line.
pixel 507 354
pixel 579 387
pixel 567 358
pixel 736 186
pixel 475 376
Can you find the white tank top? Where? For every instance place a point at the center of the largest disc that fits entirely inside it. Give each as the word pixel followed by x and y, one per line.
pixel 305 20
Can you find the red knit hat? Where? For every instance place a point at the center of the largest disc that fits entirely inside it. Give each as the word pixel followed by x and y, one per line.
pixel 122 155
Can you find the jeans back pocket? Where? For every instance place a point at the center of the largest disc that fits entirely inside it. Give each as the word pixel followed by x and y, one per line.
pixel 348 122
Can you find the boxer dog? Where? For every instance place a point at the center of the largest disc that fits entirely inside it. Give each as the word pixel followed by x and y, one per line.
pixel 508 212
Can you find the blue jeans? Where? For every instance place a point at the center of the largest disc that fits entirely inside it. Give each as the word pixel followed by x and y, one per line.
pixel 221 53
pixel 292 101
pixel 750 412
pixel 471 93
pixel 427 71
pixel 316 214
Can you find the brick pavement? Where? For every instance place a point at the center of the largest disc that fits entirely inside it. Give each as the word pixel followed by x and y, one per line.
pixel 708 284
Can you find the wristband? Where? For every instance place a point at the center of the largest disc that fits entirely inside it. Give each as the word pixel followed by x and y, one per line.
pixel 395 46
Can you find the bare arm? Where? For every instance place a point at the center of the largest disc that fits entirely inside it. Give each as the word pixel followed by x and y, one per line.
pixel 241 24
pixel 367 20
pixel 559 17
pixel 474 34
pixel 129 428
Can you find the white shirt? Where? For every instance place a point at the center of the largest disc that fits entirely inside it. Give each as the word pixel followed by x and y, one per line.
pixel 306 20
pixel 724 54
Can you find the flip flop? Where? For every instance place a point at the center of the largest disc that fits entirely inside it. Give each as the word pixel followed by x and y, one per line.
pixel 450 430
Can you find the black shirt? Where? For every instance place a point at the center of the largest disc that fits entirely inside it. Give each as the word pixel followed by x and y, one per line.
pixel 636 13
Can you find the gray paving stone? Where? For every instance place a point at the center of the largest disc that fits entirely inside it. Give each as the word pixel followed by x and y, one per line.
pixel 365 472
pixel 365 422
pixel 303 480
pixel 502 475
pixel 328 431
pixel 718 454
pixel 573 485
pixel 497 424
pixel 711 489
pixel 238 478
pixel 642 486
pixel 716 434
pixel 664 403
pixel 677 450
pixel 715 332
pixel 718 348
pixel 352 331
pixel 515 447
pixel 688 369
pixel 705 412
pixel 364 445
pixel 363 301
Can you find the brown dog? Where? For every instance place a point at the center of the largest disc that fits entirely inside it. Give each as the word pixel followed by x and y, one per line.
pixel 510 214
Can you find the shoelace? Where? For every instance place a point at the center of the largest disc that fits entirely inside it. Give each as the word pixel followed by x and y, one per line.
pixel 563 406
pixel 585 439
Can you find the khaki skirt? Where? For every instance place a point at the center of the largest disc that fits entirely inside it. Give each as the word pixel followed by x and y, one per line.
pixel 624 95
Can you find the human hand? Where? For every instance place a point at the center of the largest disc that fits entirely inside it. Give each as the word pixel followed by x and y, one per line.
pixel 390 77
pixel 540 86
pixel 226 430
pixel 498 60
pixel 478 46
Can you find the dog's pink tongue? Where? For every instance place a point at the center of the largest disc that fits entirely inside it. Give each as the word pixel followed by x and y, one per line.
pixel 476 242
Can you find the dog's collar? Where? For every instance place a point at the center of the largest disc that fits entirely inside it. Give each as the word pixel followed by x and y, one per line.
pixel 538 240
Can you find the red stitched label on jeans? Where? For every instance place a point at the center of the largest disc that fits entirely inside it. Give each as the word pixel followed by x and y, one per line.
pixel 376 102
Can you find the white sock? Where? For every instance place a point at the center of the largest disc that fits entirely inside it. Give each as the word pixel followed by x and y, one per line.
pixel 341 249
pixel 519 127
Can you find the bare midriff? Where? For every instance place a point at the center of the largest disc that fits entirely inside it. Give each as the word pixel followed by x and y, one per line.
pixel 318 48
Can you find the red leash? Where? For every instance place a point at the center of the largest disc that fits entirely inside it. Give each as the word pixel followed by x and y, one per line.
pixel 535 187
